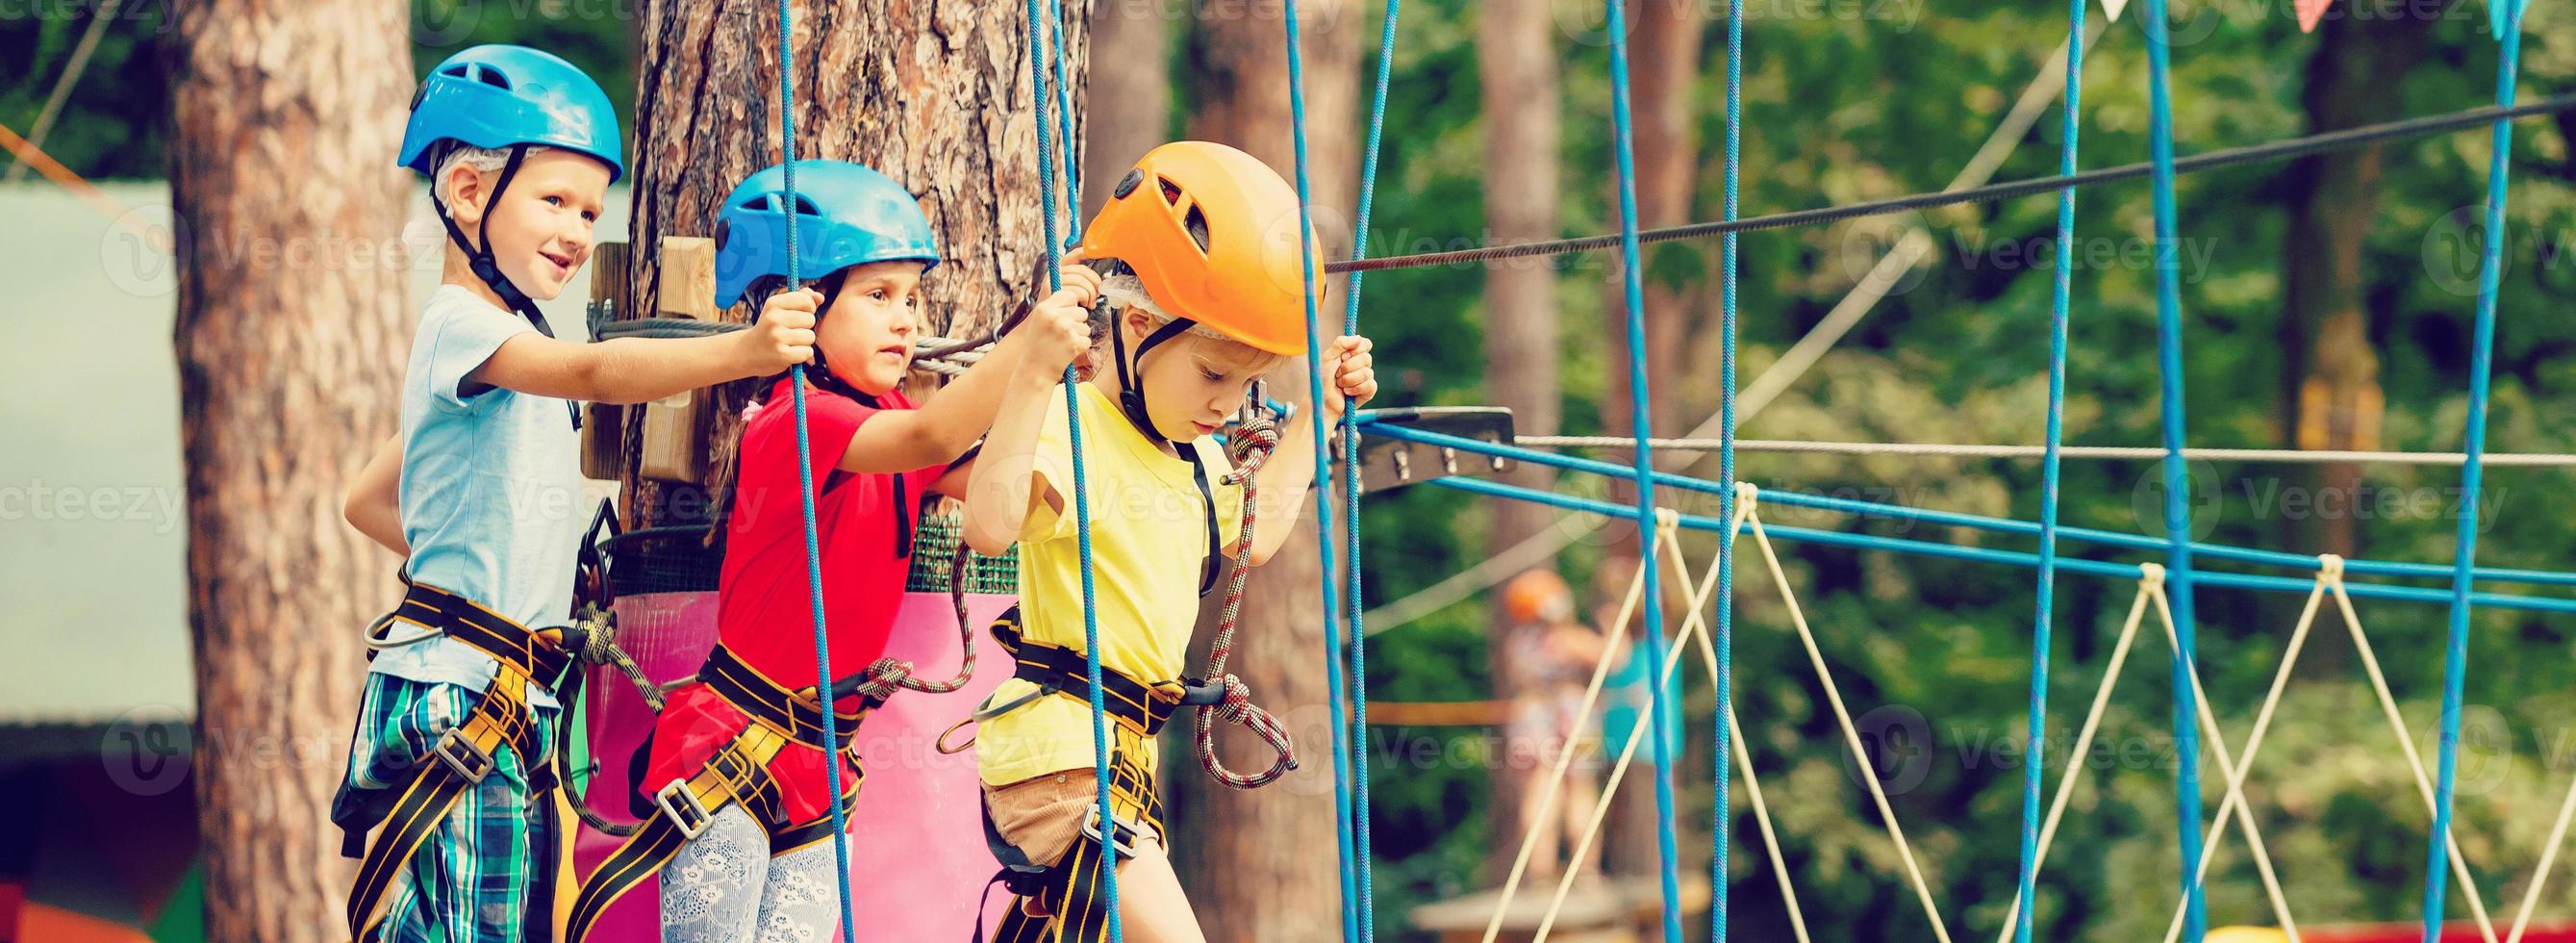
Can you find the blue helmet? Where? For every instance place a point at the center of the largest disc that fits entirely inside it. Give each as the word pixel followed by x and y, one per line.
pixel 502 96
pixel 846 215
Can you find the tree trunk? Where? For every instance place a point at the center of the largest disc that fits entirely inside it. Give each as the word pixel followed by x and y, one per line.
pixel 1516 58
pixel 289 335
pixel 1130 93
pixel 935 95
pixel 1665 43
pixel 1260 865
pixel 2331 372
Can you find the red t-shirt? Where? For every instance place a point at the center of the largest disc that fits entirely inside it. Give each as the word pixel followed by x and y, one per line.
pixel 764 605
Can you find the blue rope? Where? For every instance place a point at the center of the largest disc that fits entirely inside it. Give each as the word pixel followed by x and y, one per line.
pixel 1050 202
pixel 1722 819
pixel 1345 752
pixel 805 468
pixel 1639 405
pixel 1066 141
pixel 2245 581
pixel 1351 494
pixel 2455 658
pixel 2042 619
pixel 1792 498
pixel 2177 472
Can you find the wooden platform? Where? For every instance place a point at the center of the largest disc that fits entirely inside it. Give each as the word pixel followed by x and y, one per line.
pixel 1596 911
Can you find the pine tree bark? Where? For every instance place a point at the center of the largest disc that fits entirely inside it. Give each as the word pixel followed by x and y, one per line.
pixel 289 335
pixel 1130 91
pixel 935 95
pixel 1516 56
pixel 1260 865
pixel 2331 370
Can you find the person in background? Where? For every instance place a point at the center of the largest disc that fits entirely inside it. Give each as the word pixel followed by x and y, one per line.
pixel 1551 656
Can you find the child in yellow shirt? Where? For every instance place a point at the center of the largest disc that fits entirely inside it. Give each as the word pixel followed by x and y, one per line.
pixel 1200 247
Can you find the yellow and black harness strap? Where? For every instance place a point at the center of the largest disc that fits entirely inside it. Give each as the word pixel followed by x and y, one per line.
pixel 1140 706
pixel 739 772
pixel 1062 902
pixel 1067 894
pixel 463 755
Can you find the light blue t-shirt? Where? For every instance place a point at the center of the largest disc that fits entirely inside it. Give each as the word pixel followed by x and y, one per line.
pixel 491 489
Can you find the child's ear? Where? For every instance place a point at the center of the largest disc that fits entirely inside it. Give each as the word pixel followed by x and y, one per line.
pixel 464 194
pixel 1138 324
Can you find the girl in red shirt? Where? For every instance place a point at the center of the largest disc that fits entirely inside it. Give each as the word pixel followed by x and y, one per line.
pixel 735 768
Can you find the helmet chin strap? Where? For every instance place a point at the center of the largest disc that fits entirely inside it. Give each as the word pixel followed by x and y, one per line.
pixel 478 251
pixel 821 376
pixel 1131 393
pixel 1131 400
pixel 478 254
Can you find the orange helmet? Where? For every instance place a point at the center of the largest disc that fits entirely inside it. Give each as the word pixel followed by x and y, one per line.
pixel 1244 278
pixel 1538 596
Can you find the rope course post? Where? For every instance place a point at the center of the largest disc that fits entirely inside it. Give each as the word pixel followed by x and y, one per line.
pixel 2025 893
pixel 2455 655
pixel 1641 404
pixel 805 465
pixel 1348 741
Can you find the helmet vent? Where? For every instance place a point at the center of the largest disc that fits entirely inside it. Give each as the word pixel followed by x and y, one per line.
pixel 768 202
pixel 475 73
pixel 1171 191
pixel 1196 223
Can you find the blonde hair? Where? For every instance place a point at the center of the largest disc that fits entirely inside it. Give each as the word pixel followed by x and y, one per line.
pixel 481 159
pixel 1124 288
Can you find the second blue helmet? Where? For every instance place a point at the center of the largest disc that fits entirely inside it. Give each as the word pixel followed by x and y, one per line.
pixel 846 214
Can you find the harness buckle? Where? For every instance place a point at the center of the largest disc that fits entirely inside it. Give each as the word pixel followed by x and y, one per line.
pixel 1122 846
pixel 462 756
pixel 687 814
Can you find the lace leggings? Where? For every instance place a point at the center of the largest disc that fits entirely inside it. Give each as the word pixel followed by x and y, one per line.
pixel 723 887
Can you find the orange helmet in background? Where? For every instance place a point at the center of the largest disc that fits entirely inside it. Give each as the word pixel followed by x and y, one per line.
pixel 1538 596
pixel 1245 278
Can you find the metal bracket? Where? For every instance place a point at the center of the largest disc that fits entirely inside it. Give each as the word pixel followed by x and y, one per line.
pixel 1388 463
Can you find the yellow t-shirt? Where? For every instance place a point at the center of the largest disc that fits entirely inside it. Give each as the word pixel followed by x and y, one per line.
pixel 1148 545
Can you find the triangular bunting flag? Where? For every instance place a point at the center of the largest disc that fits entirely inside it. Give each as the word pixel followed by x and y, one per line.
pixel 2501 12
pixel 2113 7
pixel 2310 11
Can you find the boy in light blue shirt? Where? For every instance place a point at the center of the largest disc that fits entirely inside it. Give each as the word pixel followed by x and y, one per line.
pixel 450 764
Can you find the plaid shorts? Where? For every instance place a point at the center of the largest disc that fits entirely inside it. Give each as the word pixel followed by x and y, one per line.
pixel 471 880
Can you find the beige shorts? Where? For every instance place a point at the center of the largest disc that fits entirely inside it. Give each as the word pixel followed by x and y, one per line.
pixel 1042 815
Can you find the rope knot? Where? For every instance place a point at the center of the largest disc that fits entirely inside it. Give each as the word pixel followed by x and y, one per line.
pixel 2329 567
pixel 2152 575
pixel 1748 494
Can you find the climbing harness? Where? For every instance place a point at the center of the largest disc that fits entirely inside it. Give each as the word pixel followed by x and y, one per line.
pixel 738 773
pixel 464 754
